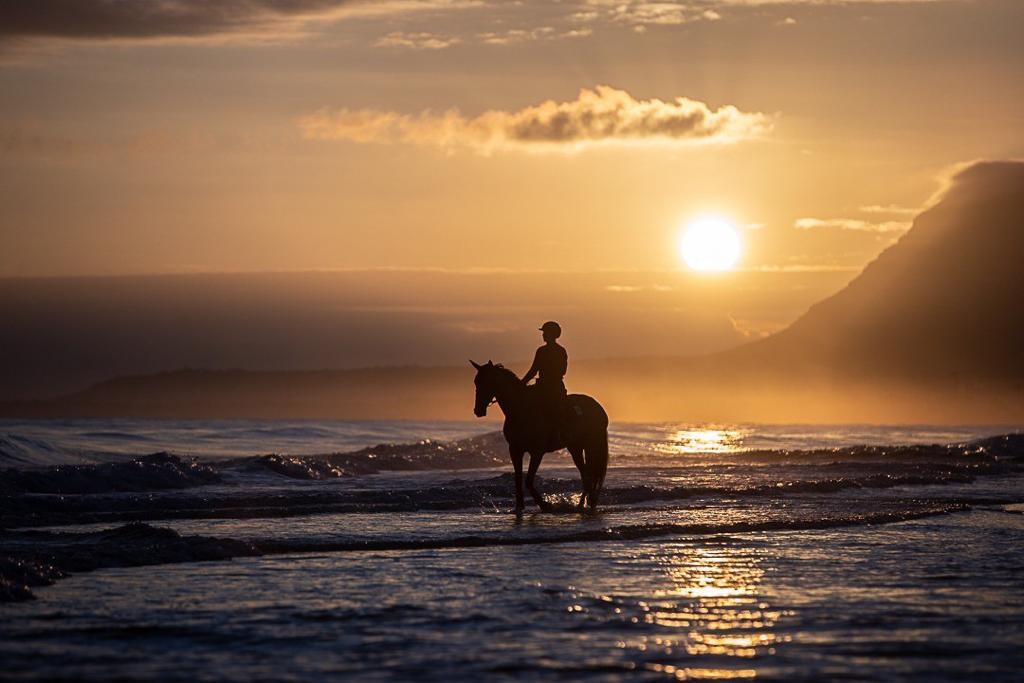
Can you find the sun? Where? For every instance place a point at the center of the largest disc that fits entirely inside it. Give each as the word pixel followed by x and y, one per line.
pixel 710 244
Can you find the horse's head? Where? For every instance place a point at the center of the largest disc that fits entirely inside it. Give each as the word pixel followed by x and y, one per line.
pixel 486 386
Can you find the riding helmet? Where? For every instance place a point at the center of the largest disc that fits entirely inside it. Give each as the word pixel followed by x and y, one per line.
pixel 555 328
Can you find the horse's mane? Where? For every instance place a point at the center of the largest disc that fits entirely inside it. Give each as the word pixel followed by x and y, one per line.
pixel 505 371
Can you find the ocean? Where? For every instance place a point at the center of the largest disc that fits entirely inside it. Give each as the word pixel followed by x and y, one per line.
pixel 269 550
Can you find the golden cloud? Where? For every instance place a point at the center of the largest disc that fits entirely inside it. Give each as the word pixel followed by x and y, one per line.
pixel 601 116
pixel 851 224
pixel 422 40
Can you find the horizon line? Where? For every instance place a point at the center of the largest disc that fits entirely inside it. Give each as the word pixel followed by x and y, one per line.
pixel 474 270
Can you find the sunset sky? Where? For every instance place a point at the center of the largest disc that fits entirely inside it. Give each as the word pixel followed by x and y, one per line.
pixel 581 136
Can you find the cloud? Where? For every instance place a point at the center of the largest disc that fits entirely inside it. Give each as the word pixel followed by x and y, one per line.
pixel 416 41
pixel 879 227
pixel 153 19
pixel 891 209
pixel 632 289
pixel 149 20
pixel 807 268
pixel 851 224
pixel 513 36
pixel 603 115
pixel 643 13
pixel 1002 175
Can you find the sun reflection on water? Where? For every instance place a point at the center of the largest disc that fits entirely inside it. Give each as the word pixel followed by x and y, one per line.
pixel 709 616
pixel 719 606
pixel 707 439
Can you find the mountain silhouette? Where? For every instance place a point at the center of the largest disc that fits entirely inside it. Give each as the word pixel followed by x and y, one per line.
pixel 942 305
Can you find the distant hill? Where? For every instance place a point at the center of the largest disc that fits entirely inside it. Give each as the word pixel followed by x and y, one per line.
pixel 945 304
pixel 396 393
pixel 931 331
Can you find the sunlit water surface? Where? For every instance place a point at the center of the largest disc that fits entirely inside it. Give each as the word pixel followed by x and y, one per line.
pixel 721 552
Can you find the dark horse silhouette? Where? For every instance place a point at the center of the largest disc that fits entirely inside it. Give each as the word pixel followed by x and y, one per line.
pixel 585 433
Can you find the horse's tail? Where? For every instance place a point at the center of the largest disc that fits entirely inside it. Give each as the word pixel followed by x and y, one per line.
pixel 597 465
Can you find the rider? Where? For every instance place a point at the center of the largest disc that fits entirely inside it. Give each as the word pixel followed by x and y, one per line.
pixel 549 365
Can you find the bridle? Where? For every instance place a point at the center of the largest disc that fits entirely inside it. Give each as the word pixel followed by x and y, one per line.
pixel 494 399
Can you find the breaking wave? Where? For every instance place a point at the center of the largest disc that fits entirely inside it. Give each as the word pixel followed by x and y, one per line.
pixel 24 451
pixel 488 450
pixel 160 471
pixel 149 473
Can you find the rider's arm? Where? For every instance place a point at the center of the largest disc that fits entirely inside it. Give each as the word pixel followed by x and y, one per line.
pixel 533 368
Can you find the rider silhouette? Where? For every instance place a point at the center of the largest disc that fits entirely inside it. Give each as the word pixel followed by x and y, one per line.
pixel 549 366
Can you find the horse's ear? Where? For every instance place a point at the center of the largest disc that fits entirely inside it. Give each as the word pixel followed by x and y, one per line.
pixel 490 364
pixel 475 364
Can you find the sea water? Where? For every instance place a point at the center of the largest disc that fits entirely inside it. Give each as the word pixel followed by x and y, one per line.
pixel 389 551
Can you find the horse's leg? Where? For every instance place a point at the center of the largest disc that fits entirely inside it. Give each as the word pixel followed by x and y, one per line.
pixel 517 465
pixel 535 459
pixel 577 457
pixel 597 465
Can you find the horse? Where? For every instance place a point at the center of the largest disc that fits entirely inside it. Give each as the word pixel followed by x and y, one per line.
pixel 585 434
